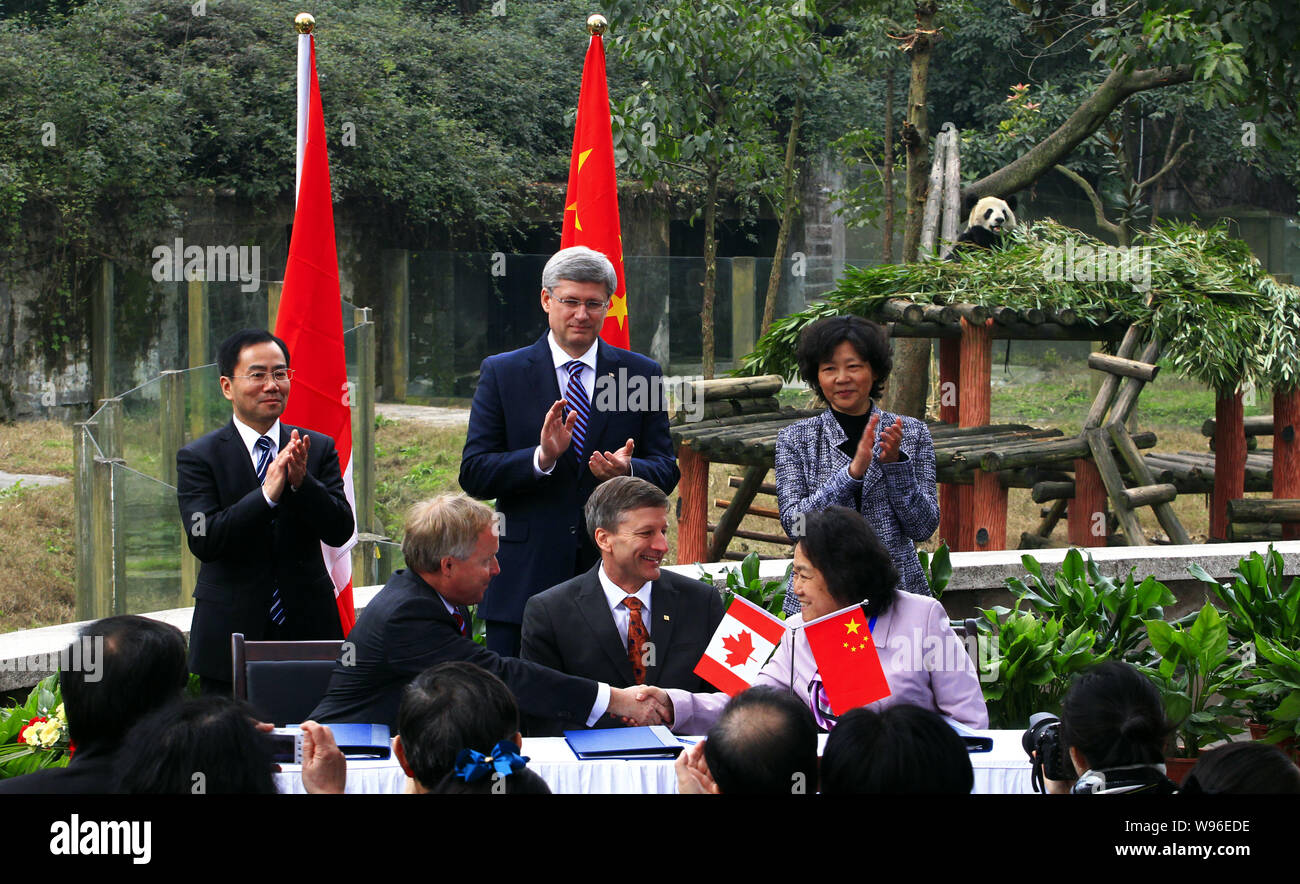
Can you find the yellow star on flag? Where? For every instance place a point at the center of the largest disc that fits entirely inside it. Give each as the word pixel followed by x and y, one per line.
pixel 582 158
pixel 617 307
pixel 574 209
pixel 852 626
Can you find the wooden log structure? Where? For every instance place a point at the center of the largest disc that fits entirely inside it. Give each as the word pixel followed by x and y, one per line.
pixel 1254 509
pixel 1260 425
pixel 1229 459
pixel 1286 452
pixel 984 522
pixel 1129 368
pixel 692 516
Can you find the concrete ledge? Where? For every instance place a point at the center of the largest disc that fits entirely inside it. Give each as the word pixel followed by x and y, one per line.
pixel 19 650
pixel 972 572
pixel 990 570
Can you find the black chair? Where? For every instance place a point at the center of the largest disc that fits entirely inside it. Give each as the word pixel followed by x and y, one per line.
pixel 282 681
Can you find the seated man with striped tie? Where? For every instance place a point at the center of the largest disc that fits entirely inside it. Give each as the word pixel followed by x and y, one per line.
pixel 421 618
pixel 540 455
pixel 625 621
pixel 257 498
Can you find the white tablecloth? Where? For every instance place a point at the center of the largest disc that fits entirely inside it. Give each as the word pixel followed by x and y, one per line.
pixel 1001 771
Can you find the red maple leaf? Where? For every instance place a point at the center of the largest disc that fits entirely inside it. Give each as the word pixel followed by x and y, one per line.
pixel 739 648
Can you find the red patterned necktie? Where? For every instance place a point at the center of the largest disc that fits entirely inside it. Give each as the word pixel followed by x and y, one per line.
pixel 636 638
pixel 460 622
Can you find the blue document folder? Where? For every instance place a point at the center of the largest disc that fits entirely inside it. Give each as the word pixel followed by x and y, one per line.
pixel 624 742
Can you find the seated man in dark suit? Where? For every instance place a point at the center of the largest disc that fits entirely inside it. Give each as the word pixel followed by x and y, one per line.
pixel 124 668
pixel 421 617
pixel 625 621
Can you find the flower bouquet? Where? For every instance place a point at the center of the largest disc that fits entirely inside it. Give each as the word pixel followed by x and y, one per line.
pixel 34 736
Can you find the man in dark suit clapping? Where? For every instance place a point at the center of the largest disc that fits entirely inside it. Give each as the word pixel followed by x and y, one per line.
pixel 548 424
pixel 257 499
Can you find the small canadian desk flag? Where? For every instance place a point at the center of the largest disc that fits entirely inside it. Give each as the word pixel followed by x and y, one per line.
pixel 746 637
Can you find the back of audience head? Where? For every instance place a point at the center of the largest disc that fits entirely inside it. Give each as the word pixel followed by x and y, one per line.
pixel 1113 716
pixel 765 743
pixel 455 706
pixel 1248 768
pixel 208 745
pixel 903 749
pixel 119 670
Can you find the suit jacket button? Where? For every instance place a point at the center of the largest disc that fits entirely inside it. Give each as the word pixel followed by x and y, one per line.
pixel 573 530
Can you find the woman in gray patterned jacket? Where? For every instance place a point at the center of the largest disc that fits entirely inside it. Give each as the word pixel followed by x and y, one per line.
pixel 854 454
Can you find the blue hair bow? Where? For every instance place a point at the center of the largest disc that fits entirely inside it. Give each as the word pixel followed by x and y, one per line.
pixel 472 765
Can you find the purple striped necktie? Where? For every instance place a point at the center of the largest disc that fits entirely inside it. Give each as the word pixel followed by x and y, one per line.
pixel 576 396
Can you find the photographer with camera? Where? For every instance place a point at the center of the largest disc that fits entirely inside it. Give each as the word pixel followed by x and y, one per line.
pixel 1111 734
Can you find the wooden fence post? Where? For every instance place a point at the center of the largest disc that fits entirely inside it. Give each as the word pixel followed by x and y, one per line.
pixel 743 273
pixel 1286 452
pixel 984 522
pixel 395 267
pixel 363 429
pixel 83 454
pixel 693 500
pixel 1229 460
pixel 197 304
pixel 950 495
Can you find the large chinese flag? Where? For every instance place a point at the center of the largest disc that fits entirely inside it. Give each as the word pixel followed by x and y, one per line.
pixel 847 659
pixel 591 202
pixel 310 321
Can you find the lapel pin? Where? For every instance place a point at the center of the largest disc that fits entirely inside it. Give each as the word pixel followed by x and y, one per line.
pixel 666 617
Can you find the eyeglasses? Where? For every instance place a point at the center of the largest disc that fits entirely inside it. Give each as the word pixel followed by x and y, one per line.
pixel 280 376
pixel 574 304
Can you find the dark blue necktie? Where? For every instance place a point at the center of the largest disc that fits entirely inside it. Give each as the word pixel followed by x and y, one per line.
pixel 262 448
pixel 576 396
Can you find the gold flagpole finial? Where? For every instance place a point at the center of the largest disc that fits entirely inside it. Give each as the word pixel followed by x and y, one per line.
pixel 596 24
pixel 304 22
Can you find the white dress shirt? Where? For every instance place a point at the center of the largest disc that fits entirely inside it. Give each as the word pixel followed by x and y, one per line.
pixel 615 595
pixel 250 437
pixel 587 379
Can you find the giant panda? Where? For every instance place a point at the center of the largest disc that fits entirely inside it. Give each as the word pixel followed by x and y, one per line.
pixel 986 220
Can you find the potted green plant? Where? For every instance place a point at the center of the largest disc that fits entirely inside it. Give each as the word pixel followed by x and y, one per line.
pixel 746 583
pixel 937 567
pixel 1033 664
pixel 1277 682
pixel 1262 605
pixel 1193 666
pixel 1079 594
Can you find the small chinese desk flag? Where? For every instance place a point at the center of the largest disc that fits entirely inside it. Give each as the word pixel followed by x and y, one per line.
pixel 847 659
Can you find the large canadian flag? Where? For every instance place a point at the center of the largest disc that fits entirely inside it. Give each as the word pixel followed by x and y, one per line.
pixel 745 639
pixel 310 321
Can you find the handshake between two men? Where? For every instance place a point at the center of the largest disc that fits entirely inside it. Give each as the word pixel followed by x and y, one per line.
pixel 641 705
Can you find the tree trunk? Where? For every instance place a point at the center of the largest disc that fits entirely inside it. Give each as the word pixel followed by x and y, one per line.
pixel 787 216
pixel 1087 119
pixel 887 244
pixel 710 270
pixel 910 380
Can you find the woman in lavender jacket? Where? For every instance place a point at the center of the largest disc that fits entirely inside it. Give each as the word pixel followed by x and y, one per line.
pixel 839 563
pixel 854 454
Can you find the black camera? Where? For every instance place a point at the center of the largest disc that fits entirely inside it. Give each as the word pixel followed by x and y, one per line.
pixel 1042 742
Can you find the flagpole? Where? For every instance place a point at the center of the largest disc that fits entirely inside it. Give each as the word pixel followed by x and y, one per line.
pixel 305 24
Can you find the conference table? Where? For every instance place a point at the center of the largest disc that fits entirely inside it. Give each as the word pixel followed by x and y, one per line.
pixel 1004 770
